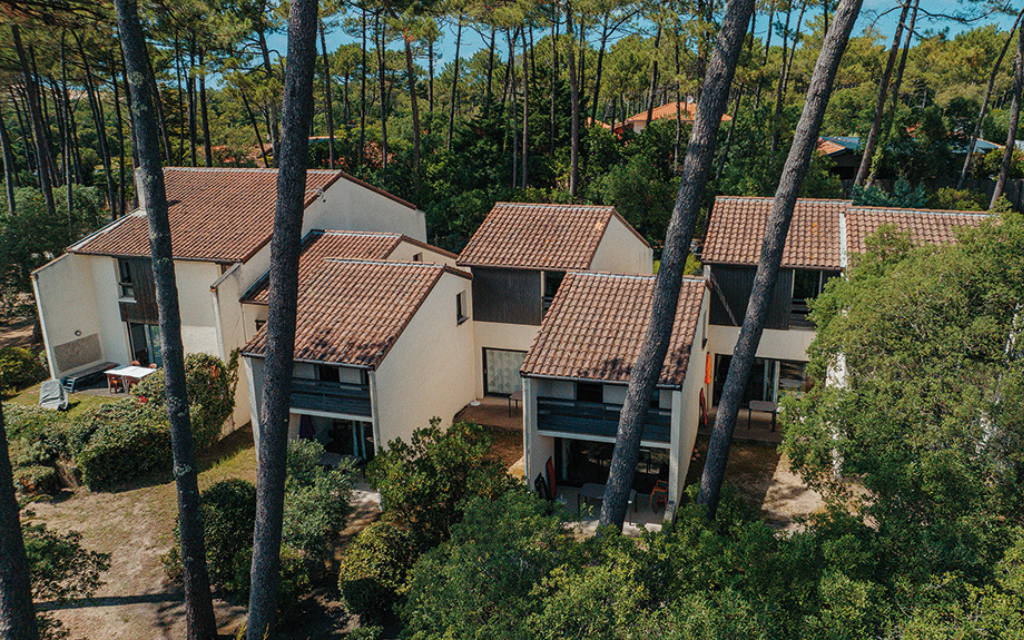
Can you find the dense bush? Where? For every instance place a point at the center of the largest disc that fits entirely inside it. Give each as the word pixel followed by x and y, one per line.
pixel 958 200
pixel 19 367
pixel 37 479
pixel 316 507
pixel 210 384
pixel 126 440
pixel 374 568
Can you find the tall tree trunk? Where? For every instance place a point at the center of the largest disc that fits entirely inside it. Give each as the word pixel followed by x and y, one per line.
pixel 605 32
pixel 296 114
pixel 69 111
pixel 728 136
pixel 28 142
pixel 10 172
pixel 887 122
pixel 554 79
pixel 1014 120
pixel 362 92
pixel 654 78
pixel 193 137
pixel 764 61
pixel 181 103
pixel 120 141
pixel 526 116
pixel 131 121
pixel 381 69
pixel 17 613
pixel 204 112
pixel 51 162
pixel 101 128
pixel 489 94
pixel 514 130
pixel 159 104
pixel 40 136
pixel 455 83
pixel 700 154
pixel 868 148
pixel 574 100
pixel 255 128
pixel 984 103
pixel 787 64
pixel 328 97
pixel 201 623
pixel 430 77
pixel 804 144
pixel 270 108
pixel 410 69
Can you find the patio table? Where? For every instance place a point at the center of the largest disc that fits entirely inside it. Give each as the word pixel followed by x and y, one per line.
pixel 128 375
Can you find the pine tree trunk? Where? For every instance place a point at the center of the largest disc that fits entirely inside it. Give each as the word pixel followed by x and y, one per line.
pixel 804 143
pixel 120 142
pixel 10 172
pixel 38 125
pixel 270 108
pixel 597 73
pixel 51 162
pixel 984 103
pixel 296 115
pixel 159 104
pixel 381 69
pixel 887 122
pixel 1014 121
pixel 574 99
pixel 201 624
pixel 455 84
pixel 255 128
pixel 489 95
pixel 362 93
pixel 204 112
pixel 101 128
pixel 764 61
pixel 190 85
pixel 526 116
pixel 868 148
pixel 700 154
pixel 410 69
pixel 17 613
pixel 328 97
pixel 554 80
pixel 514 129
pixel 654 78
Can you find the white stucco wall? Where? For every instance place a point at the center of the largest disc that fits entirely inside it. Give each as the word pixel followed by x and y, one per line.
pixel 686 407
pixel 429 371
pixel 621 251
pixel 353 207
pixel 230 331
pixel 495 335
pixel 405 251
pixel 775 344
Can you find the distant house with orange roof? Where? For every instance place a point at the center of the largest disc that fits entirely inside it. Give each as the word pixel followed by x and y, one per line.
pixel 685 111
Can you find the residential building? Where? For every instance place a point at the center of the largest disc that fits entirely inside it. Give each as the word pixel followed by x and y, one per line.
pixel 685 111
pixel 519 257
pixel 97 302
pixel 577 371
pixel 380 349
pixel 822 236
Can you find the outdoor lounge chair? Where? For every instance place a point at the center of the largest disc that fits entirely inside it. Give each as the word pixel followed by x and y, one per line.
pixel 53 396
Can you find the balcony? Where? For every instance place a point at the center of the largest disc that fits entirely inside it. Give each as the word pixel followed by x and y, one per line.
pixel 597 419
pixel 331 397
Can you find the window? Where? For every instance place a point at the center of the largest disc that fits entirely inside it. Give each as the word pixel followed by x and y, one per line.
pixel 125 288
pixel 589 392
pixel 460 307
pixel 807 285
pixel 552 281
pixel 260 324
pixel 417 257
pixel 327 373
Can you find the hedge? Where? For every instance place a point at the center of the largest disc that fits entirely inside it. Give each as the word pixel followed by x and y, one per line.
pixel 125 441
pixel 19 367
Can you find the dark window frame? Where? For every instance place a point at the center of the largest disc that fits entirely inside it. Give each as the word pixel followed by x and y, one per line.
pixel 125 285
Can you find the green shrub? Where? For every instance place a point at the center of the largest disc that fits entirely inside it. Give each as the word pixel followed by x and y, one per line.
pixel 19 367
pixel 958 200
pixel 229 514
pixel 125 441
pixel 374 567
pixel 210 385
pixel 37 479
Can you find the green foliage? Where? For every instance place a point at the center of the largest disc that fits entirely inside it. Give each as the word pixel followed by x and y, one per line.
pixel 19 367
pixel 37 478
pixel 424 481
pixel 373 569
pixel 210 385
pixel 903 196
pixel 127 440
pixel 958 200
pixel 931 412
pixel 61 568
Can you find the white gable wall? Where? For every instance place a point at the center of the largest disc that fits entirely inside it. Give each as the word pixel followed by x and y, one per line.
pixel 429 371
pixel 621 251
pixel 353 207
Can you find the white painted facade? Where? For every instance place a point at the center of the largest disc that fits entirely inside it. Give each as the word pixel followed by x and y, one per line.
pixel 77 294
pixel 427 373
pixel 684 404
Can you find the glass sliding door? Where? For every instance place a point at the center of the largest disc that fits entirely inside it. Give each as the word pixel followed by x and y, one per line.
pixel 501 371
pixel 144 344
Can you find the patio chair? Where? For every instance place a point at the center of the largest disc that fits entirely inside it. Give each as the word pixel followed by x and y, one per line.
pixel 659 495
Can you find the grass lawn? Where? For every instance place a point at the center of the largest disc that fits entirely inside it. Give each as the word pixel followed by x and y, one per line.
pixel 78 403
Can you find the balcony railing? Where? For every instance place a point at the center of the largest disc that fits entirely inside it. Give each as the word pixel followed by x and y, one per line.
pixel 597 419
pixel 332 397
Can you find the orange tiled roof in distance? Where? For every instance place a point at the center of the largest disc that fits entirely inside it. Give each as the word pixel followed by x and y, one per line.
pixel 217 215
pixel 596 326
pixel 687 111
pixel 346 245
pixel 738 225
pixel 353 312
pixel 926 226
pixel 560 237
pixel 828 147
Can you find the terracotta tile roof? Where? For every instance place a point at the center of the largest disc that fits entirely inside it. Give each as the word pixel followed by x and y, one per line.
pixel 318 244
pixel 687 110
pixel 828 147
pixel 738 226
pixel 217 215
pixel 560 237
pixel 596 326
pixel 925 226
pixel 352 312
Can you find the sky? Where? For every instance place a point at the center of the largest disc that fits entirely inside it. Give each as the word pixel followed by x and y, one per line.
pixel 876 13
